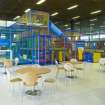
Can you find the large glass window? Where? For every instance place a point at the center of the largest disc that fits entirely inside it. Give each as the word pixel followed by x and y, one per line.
pixel 84 38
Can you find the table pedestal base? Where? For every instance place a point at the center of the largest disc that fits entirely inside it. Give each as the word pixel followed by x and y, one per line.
pixel 33 93
pixel 71 77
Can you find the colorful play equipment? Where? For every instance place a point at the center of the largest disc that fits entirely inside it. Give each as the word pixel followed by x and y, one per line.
pixel 88 57
pixel 31 47
pixel 37 46
pixel 6 54
pixel 61 48
pixel 95 54
pixel 80 46
pixel 5 44
pixel 80 54
pixel 96 57
pixel 95 49
pixel 34 39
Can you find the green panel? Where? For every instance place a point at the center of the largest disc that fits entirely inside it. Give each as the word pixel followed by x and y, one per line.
pixel 29 41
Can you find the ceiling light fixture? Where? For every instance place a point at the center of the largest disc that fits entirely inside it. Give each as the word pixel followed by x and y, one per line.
pixel 93 20
pixel 27 10
pixel 66 25
pixel 54 14
pixel 95 12
pixel 40 2
pixel 17 17
pixel 77 23
pixel 102 26
pixel 38 24
pixel 72 7
pixel 76 17
pixel 68 29
pixel 92 24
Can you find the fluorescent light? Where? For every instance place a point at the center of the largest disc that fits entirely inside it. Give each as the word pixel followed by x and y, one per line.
pixel 95 12
pixel 37 24
pixel 17 17
pixel 88 33
pixel 54 14
pixel 92 24
pixel 77 23
pixel 27 10
pixel 40 2
pixel 76 17
pixel 93 20
pixel 102 26
pixel 66 25
pixel 72 7
pixel 68 29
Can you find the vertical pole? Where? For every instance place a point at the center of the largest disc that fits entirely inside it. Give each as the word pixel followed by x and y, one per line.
pixel 10 44
pixel 99 34
pixel 64 49
pixel 72 24
pixel 38 49
pixel 32 49
pixel 51 49
pixel 45 49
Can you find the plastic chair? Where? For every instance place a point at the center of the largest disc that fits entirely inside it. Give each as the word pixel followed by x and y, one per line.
pixel 11 76
pixel 59 67
pixel 70 69
pixel 76 64
pixel 7 65
pixel 73 61
pixel 31 80
pixel 50 85
pixel 9 69
pixel 102 64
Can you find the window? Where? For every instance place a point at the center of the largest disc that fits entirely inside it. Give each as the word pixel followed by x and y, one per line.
pixel 95 36
pixel 3 36
pixel 85 38
pixel 102 36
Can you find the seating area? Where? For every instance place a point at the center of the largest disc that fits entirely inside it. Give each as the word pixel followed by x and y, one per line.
pixel 30 84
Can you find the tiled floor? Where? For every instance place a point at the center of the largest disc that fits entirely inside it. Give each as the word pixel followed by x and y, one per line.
pixel 87 89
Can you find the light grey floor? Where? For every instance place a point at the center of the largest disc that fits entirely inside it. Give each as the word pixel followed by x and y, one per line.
pixel 87 89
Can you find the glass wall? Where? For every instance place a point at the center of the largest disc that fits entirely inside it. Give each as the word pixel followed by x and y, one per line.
pixel 92 29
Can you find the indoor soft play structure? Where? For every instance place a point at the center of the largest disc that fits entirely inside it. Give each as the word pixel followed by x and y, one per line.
pixel 61 49
pixel 80 46
pixel 38 46
pixel 34 39
pixel 34 43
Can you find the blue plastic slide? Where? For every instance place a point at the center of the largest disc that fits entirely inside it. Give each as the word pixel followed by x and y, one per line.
pixel 54 29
